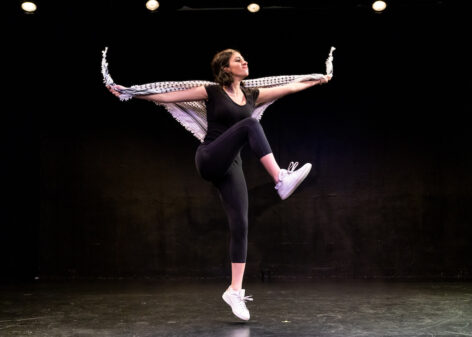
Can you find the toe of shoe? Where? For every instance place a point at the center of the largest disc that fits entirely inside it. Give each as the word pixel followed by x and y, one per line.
pixel 244 317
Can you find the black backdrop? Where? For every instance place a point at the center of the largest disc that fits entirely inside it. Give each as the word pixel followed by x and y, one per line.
pixel 389 194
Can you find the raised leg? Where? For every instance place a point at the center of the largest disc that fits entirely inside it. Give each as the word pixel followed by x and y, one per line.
pixel 214 159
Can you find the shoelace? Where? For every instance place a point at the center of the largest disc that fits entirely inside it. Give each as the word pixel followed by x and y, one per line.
pixel 292 166
pixel 246 298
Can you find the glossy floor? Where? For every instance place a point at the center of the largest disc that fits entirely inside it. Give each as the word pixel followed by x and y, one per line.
pixel 195 308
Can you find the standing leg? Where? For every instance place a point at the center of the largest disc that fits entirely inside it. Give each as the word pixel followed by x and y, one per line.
pixel 237 274
pixel 234 196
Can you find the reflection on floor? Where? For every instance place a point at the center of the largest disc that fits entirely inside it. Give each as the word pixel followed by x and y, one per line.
pixel 195 308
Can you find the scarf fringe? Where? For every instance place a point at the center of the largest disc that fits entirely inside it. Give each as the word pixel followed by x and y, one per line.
pixel 185 121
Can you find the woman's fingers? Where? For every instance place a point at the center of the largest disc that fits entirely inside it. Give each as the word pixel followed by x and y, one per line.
pixel 112 90
pixel 325 78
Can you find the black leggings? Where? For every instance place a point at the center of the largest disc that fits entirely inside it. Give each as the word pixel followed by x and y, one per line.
pixel 220 162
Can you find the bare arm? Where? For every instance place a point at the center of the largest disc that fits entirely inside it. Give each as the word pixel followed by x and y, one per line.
pixel 270 94
pixel 193 94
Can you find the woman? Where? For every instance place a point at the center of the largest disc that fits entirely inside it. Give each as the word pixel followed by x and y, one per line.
pixel 230 126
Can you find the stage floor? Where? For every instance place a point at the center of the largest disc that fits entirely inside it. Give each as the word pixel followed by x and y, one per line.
pixel 195 308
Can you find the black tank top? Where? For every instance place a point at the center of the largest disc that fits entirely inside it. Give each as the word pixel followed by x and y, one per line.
pixel 223 112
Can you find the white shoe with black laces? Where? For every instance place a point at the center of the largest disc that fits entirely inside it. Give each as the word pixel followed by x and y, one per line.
pixel 236 300
pixel 290 179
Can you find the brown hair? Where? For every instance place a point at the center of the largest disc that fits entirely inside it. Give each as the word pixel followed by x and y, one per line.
pixel 221 60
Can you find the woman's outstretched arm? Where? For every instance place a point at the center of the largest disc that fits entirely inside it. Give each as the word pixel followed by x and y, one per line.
pixel 271 94
pixel 193 94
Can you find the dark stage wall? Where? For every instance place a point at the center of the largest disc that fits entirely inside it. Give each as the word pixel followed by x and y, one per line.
pixel 390 193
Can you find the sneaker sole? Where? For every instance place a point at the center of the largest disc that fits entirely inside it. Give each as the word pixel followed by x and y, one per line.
pixel 229 303
pixel 299 181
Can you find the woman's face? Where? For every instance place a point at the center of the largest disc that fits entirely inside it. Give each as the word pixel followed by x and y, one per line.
pixel 238 66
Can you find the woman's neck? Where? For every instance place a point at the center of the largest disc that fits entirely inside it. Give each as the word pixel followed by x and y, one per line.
pixel 234 87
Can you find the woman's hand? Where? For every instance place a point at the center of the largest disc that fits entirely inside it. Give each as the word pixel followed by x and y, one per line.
pixel 325 79
pixel 113 91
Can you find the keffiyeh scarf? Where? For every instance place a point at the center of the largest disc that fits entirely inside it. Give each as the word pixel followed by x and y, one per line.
pixel 192 115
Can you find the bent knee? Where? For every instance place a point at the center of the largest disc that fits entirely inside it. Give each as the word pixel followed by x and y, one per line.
pixel 250 121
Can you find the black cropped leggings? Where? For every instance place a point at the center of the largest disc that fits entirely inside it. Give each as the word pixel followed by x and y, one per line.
pixel 220 163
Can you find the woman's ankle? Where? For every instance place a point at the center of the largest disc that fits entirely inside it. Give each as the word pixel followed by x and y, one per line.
pixel 276 177
pixel 271 166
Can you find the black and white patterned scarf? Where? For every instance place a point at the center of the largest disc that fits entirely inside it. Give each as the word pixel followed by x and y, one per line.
pixel 192 115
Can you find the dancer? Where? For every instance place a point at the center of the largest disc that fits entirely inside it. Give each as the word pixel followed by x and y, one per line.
pixel 229 106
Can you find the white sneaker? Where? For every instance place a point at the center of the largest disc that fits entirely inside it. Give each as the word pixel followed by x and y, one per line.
pixel 236 300
pixel 290 179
